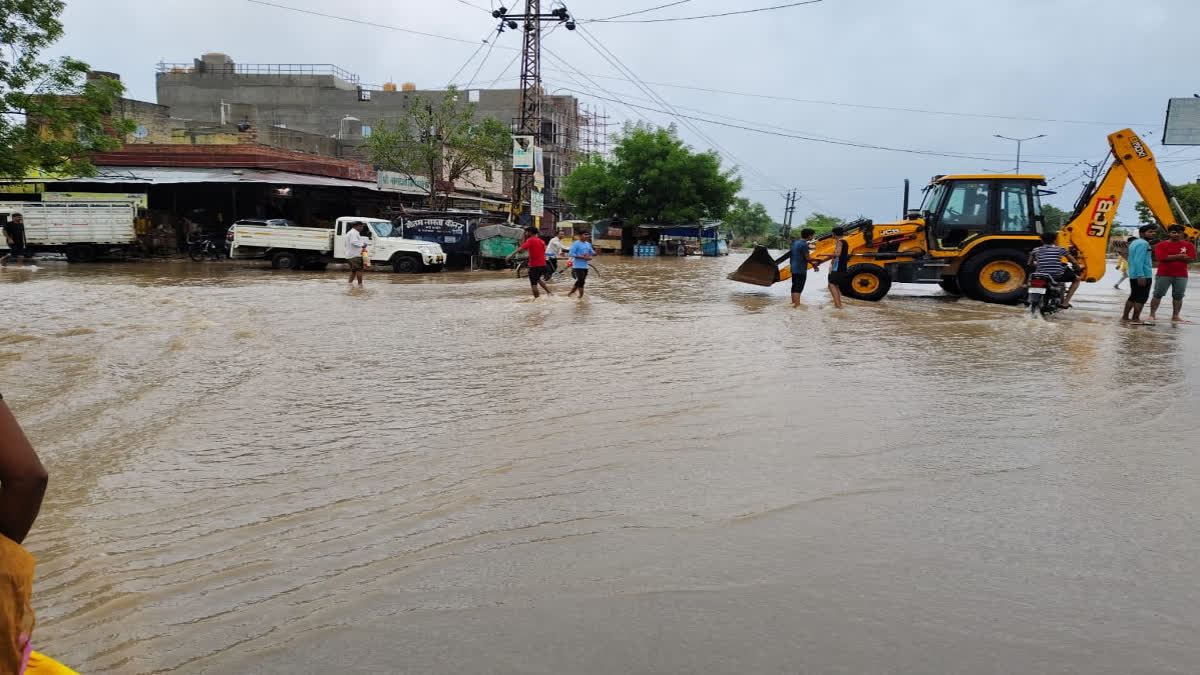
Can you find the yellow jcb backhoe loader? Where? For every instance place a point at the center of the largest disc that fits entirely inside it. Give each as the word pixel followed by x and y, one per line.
pixel 973 233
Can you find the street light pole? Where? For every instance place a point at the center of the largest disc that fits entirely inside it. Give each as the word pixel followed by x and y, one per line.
pixel 1019 141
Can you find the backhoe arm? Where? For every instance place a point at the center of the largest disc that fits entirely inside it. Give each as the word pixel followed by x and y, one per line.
pixel 1088 232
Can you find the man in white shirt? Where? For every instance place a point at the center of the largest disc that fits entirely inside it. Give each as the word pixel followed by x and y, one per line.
pixel 355 245
pixel 554 249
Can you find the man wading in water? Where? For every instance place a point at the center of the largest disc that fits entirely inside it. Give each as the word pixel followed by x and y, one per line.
pixel 537 260
pixel 581 252
pixel 837 270
pixel 355 245
pixel 799 255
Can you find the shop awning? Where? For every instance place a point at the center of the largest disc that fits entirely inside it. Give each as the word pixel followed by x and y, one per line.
pixel 166 175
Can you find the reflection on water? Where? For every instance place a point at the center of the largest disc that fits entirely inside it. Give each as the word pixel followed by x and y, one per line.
pixel 259 471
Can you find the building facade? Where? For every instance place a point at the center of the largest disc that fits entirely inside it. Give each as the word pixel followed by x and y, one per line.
pixel 326 100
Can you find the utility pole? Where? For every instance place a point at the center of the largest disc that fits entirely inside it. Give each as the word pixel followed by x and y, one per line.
pixel 1019 141
pixel 788 210
pixel 530 121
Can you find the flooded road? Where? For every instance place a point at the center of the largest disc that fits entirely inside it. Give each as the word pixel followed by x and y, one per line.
pixel 265 472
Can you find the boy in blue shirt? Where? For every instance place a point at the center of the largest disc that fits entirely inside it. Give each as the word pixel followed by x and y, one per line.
pixel 1141 269
pixel 581 252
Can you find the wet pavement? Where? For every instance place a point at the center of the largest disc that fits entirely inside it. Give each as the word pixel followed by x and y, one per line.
pixel 256 471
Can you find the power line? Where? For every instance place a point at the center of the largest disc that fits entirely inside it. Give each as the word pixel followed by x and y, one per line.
pixel 708 16
pixel 485 56
pixel 815 139
pixel 765 125
pixel 875 107
pixel 506 69
pixel 469 4
pixel 589 79
pixel 362 22
pixel 373 24
pixel 472 56
pixel 616 62
pixel 643 11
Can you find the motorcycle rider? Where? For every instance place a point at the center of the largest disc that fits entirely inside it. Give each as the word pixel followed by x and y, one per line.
pixel 1048 259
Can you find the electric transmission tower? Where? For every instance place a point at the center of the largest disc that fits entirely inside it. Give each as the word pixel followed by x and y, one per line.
pixel 530 121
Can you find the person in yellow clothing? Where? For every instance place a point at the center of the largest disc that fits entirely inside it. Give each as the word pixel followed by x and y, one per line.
pixel 1123 260
pixel 22 485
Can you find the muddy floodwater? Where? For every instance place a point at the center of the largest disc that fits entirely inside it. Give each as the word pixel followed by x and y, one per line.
pixel 265 472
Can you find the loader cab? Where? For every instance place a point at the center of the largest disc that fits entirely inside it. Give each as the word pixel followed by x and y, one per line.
pixel 961 209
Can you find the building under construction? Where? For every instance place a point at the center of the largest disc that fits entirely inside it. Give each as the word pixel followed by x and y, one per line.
pixel 327 100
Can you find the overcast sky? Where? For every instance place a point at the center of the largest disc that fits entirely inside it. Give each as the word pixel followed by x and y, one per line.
pixel 1115 62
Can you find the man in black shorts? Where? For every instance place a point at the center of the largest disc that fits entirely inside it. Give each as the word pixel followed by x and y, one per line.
pixel 1141 272
pixel 799 254
pixel 581 254
pixel 837 268
pixel 14 235
pixel 537 260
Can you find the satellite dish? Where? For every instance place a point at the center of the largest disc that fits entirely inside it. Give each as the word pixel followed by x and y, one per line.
pixel 141 132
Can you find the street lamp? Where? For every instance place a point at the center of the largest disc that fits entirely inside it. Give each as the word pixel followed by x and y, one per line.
pixel 1019 141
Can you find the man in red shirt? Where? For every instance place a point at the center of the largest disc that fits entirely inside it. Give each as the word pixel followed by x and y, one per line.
pixel 1173 257
pixel 537 260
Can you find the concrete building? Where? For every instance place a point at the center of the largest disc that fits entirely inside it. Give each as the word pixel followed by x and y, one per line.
pixel 326 100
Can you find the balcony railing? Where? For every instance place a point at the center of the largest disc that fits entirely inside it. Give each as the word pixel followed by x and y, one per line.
pixel 259 69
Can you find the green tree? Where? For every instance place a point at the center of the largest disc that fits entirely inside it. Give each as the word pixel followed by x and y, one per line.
pixel 822 223
pixel 749 220
pixel 653 177
pixel 1054 217
pixel 1188 195
pixel 442 140
pixel 52 117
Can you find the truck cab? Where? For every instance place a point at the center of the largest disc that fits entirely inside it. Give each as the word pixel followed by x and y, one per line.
pixel 388 244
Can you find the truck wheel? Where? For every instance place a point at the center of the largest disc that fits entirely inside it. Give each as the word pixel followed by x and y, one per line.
pixel 867 282
pixel 81 253
pixel 950 285
pixel 406 264
pixel 995 276
pixel 285 260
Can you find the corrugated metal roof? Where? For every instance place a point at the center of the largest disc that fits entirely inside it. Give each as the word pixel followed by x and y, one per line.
pixel 165 175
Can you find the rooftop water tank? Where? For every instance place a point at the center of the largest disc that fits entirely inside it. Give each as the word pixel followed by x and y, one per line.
pixel 408 86
pixel 350 127
pixel 389 86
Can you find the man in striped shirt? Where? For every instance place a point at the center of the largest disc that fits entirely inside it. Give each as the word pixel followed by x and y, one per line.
pixel 1048 259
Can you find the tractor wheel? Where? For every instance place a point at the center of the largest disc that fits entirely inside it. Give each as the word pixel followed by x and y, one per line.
pixel 950 285
pixel 995 276
pixel 867 282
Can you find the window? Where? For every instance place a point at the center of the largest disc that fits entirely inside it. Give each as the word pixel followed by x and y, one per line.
pixel 933 197
pixel 1039 222
pixel 1014 208
pixel 473 96
pixel 366 131
pixel 967 206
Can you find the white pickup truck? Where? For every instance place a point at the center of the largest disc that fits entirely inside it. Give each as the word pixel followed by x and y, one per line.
pixel 82 230
pixel 316 247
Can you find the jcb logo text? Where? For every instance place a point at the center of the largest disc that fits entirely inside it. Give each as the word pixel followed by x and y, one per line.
pixel 1100 218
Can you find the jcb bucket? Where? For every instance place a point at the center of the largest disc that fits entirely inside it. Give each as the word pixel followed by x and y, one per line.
pixel 759 269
